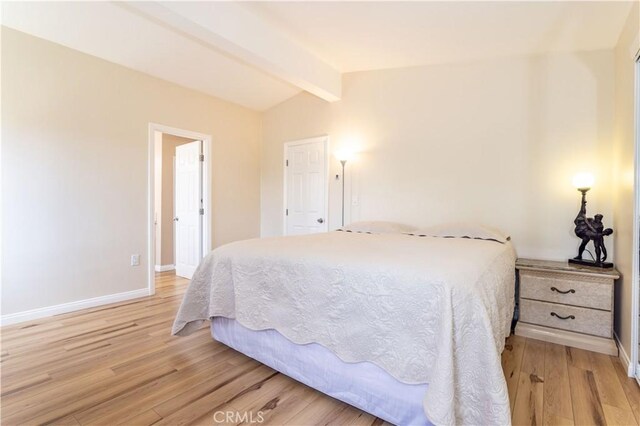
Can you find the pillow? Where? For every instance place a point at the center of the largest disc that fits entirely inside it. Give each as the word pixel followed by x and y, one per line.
pixel 378 227
pixel 465 230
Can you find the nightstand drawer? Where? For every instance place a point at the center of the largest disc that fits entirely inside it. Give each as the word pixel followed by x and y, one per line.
pixel 589 292
pixel 572 318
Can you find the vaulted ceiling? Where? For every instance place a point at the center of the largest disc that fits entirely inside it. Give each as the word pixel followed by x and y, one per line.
pixel 258 54
pixel 357 36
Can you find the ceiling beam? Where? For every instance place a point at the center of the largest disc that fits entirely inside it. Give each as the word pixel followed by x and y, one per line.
pixel 231 28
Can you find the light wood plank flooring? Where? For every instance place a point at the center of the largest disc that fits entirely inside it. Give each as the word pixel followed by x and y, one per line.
pixel 119 365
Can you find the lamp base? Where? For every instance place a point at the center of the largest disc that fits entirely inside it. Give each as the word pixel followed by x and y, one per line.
pixel 592 263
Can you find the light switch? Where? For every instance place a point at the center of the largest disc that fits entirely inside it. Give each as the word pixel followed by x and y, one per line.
pixel 135 260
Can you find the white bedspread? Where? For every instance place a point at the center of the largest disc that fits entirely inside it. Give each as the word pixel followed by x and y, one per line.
pixel 426 310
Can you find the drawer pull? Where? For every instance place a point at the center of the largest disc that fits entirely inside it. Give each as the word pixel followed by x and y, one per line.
pixel 563 292
pixel 553 314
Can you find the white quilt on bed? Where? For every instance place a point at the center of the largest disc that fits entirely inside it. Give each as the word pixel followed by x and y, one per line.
pixel 425 309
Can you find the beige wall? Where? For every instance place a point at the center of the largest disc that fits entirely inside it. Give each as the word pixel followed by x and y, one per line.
pixel 623 148
pixel 75 164
pixel 496 141
pixel 169 144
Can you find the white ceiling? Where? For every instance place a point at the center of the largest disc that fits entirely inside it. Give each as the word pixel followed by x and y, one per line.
pixel 258 54
pixel 358 36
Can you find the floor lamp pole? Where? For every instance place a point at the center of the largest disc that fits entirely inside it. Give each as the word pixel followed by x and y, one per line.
pixel 343 162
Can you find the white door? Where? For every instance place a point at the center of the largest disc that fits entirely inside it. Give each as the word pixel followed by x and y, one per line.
pixel 188 202
pixel 306 187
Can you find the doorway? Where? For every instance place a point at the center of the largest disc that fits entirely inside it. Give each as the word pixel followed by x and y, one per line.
pixel 306 186
pixel 187 207
pixel 179 201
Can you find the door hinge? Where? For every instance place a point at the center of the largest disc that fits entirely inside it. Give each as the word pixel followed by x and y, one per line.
pixel 287 212
pixel 287 163
pixel 201 211
pixel 201 157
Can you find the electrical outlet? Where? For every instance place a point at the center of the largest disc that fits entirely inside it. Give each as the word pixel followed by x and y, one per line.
pixel 135 260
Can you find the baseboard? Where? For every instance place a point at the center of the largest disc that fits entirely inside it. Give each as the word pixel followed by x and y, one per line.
pixel 164 268
pixel 72 306
pixel 624 357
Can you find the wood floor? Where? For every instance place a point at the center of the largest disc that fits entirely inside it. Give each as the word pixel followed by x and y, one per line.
pixel 119 365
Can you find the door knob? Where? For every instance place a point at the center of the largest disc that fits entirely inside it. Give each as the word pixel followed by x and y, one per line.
pixel 175 219
pixel 321 220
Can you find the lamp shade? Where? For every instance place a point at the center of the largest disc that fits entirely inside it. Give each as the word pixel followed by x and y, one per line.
pixel 583 181
pixel 344 154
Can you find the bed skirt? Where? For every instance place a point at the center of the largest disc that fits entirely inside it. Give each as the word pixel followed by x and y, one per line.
pixel 363 384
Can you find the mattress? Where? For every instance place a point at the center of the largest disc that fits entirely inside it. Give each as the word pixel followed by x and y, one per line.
pixel 361 384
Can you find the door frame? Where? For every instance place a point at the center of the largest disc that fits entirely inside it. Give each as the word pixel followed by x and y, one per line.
pixel 325 140
pixel 207 233
pixel 634 367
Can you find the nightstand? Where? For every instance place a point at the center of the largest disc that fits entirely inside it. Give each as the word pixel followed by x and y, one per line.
pixel 567 304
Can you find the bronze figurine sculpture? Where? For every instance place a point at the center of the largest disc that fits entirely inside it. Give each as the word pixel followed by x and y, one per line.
pixel 591 229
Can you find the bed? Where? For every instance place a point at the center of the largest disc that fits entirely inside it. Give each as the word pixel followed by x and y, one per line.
pixel 406 326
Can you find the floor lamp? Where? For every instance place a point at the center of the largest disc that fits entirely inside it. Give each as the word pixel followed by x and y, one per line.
pixel 343 162
pixel 343 156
